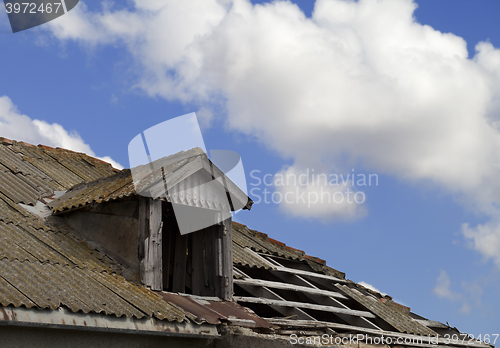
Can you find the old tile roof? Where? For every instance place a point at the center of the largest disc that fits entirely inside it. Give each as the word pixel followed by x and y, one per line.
pixel 61 270
pixel 44 265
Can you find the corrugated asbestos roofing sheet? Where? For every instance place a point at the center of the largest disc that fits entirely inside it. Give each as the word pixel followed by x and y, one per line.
pixel 151 179
pixel 43 266
pixel 402 322
pixel 120 185
pixel 65 168
pixel 102 190
pixel 242 257
pixel 260 242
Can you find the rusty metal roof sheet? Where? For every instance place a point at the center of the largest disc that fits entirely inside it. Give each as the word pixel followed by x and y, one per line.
pixel 402 322
pixel 214 312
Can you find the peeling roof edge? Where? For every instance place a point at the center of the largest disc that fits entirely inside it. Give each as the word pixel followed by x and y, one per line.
pixel 62 319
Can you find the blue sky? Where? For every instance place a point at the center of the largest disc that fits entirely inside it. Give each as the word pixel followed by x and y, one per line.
pixel 355 86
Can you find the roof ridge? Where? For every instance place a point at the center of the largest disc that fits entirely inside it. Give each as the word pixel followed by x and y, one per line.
pixel 6 141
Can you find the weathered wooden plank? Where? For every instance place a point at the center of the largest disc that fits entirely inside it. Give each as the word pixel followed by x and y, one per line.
pixel 216 258
pixel 325 300
pixel 155 241
pixel 291 287
pixel 268 293
pixel 227 260
pixel 143 241
pixel 143 231
pixel 146 269
pixel 305 306
pixel 309 274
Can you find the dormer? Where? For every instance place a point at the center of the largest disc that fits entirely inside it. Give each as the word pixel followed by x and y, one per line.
pixel 168 222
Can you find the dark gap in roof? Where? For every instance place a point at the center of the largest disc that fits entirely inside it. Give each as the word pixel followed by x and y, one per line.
pixel 258 273
pixel 382 324
pixel 262 310
pixel 324 316
pixel 290 295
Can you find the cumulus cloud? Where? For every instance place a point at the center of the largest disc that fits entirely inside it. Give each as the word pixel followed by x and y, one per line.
pixel 469 298
pixel 485 238
pixel 305 193
pixel 16 126
pixel 359 82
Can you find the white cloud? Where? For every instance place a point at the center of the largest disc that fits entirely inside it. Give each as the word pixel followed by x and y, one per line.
pixel 359 82
pixel 485 238
pixel 308 194
pixel 443 287
pixel 16 126
pixel 443 290
pixel 371 287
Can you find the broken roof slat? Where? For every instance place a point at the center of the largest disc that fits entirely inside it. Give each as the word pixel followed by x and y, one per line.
pixel 305 305
pixel 402 322
pixel 290 287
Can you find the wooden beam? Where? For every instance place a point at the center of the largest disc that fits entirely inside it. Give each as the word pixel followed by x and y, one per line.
pixel 268 293
pixel 143 242
pixel 291 287
pixel 358 321
pixel 305 306
pixel 227 260
pixel 325 300
pixel 309 274
pixel 155 262
pixel 143 231
pixel 279 267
